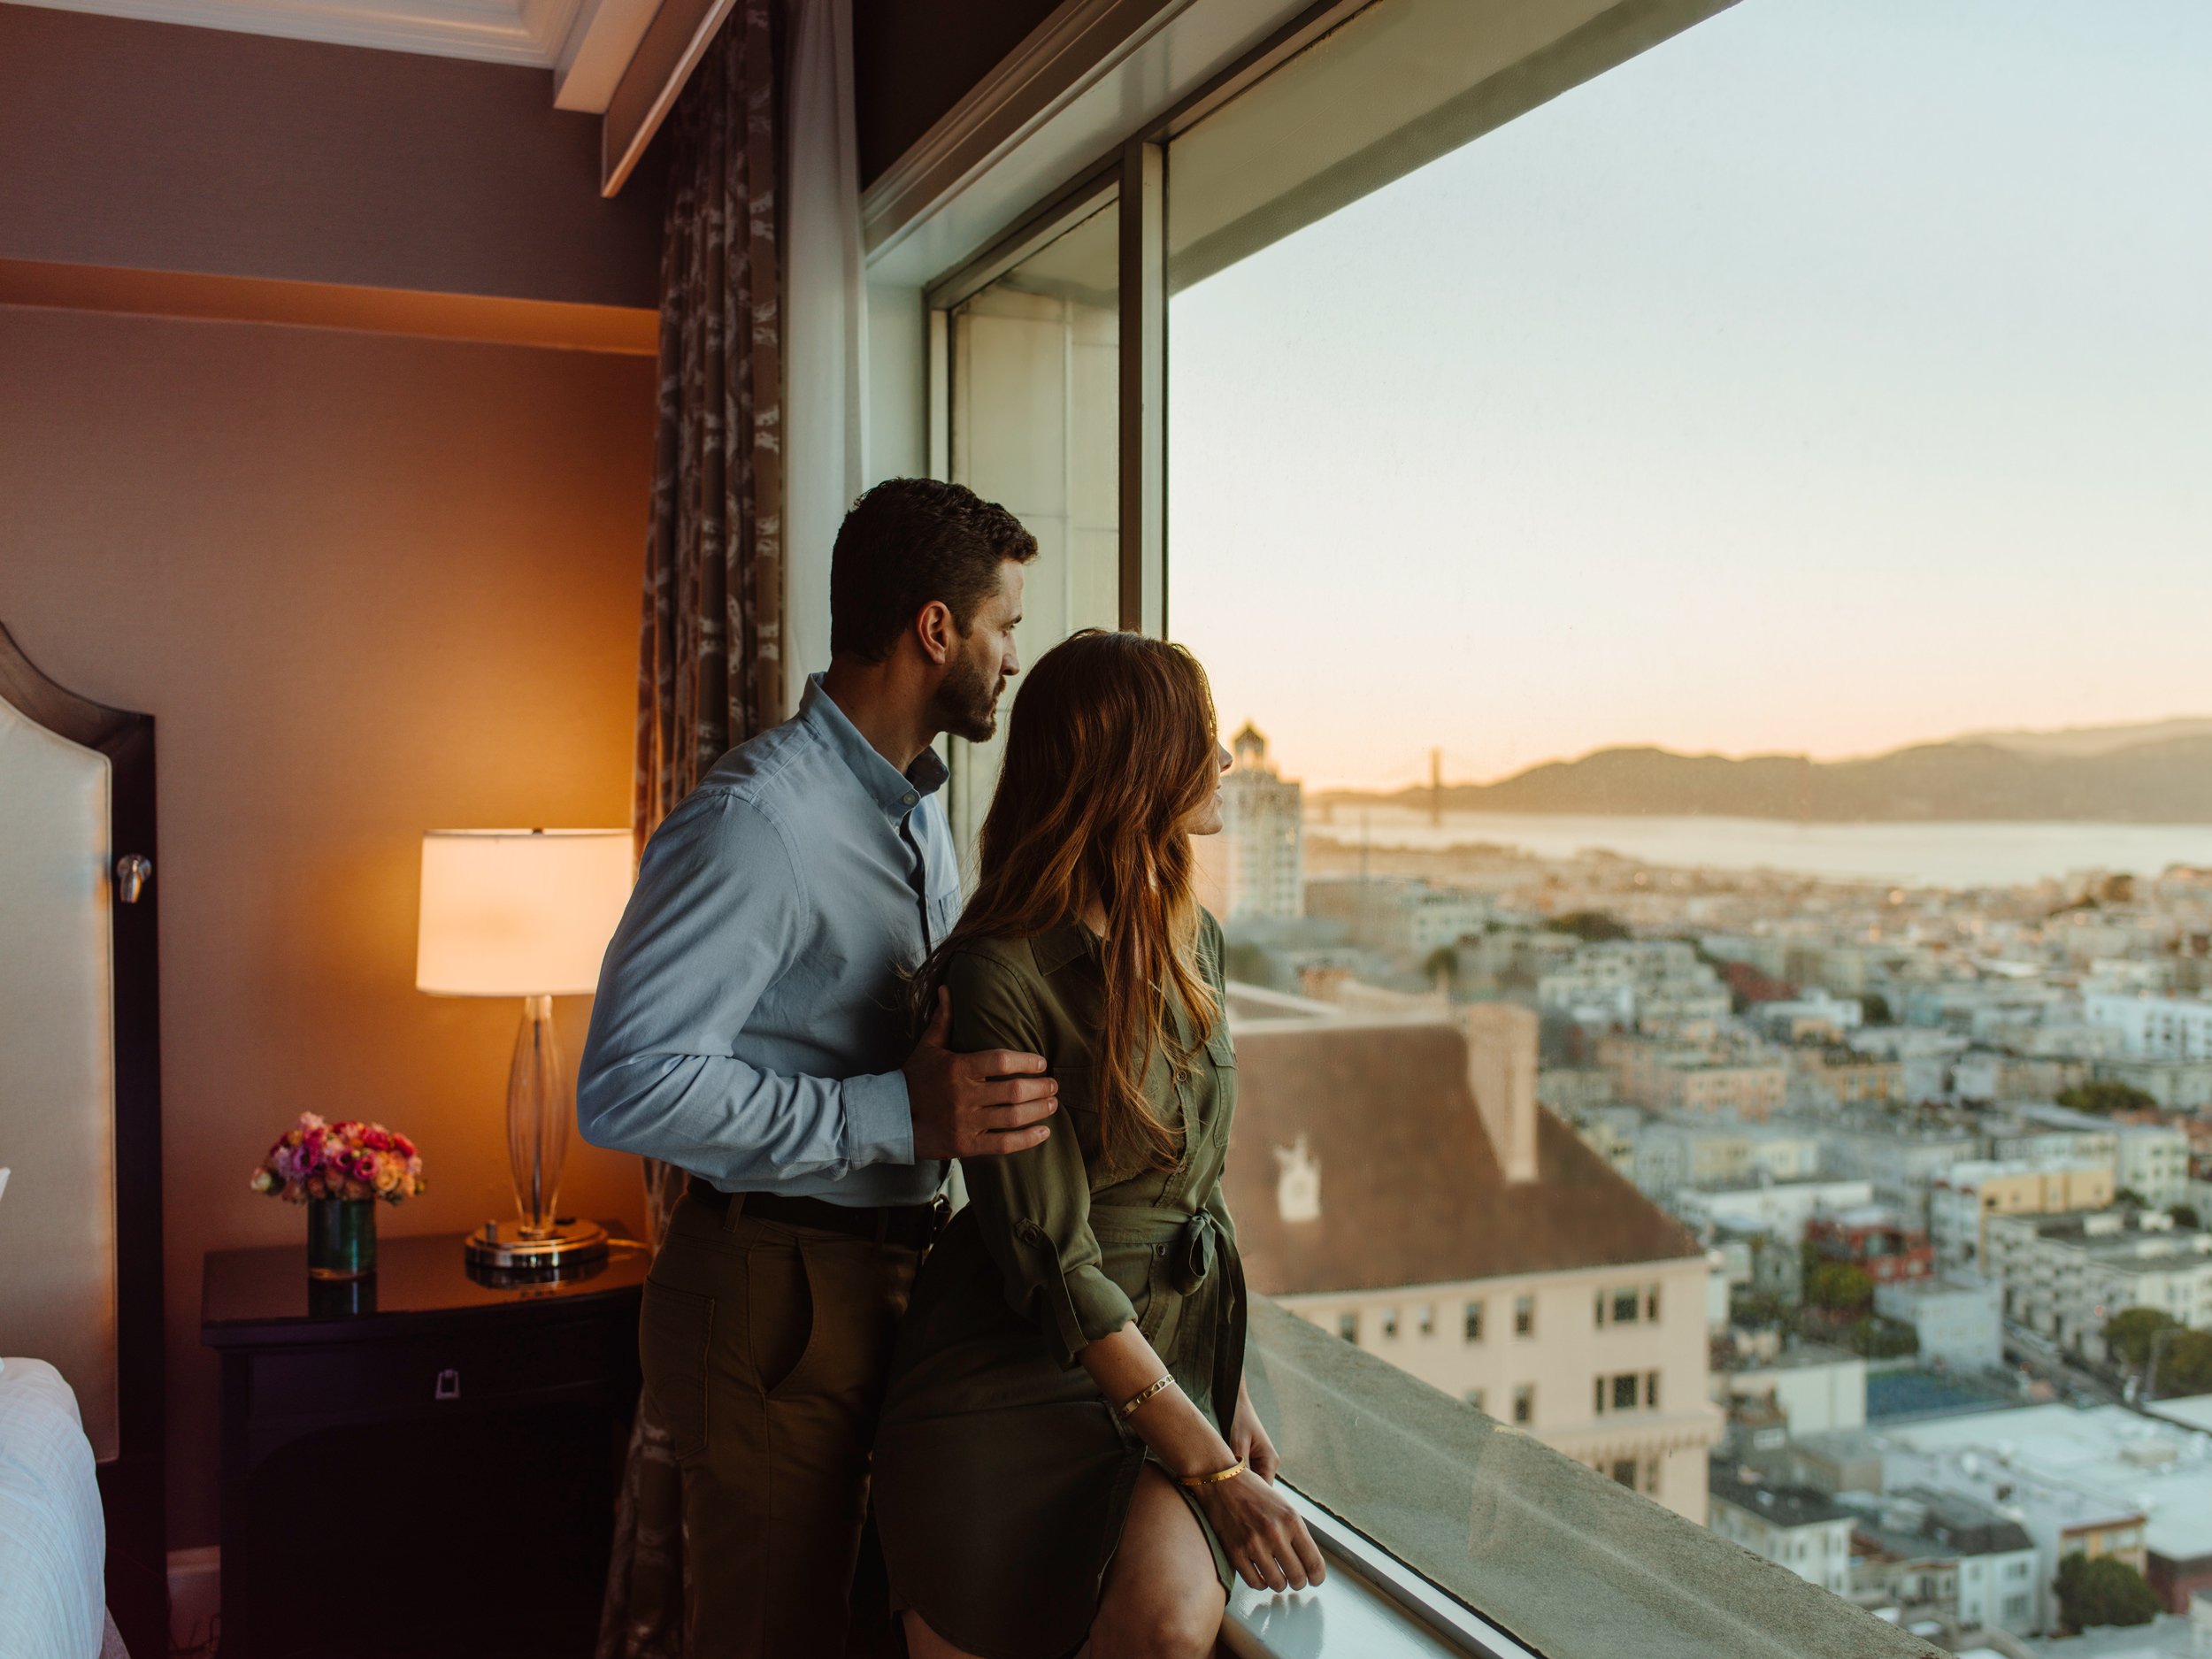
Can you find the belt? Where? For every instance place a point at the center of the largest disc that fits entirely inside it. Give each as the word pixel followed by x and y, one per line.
pixel 912 1225
pixel 1191 1240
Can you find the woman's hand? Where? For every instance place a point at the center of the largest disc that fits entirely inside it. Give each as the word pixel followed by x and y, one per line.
pixel 1267 1541
pixel 1247 1439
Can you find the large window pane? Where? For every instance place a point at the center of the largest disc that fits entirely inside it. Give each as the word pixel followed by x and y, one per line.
pixel 1033 395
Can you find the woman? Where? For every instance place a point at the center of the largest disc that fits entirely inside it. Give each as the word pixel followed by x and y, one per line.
pixel 1067 1452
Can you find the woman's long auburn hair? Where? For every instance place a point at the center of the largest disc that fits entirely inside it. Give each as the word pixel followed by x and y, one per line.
pixel 1111 749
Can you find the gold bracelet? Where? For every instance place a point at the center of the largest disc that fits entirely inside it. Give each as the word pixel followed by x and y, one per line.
pixel 1214 1479
pixel 1129 1406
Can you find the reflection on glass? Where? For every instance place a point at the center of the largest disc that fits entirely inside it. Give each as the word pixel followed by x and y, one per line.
pixel 1035 367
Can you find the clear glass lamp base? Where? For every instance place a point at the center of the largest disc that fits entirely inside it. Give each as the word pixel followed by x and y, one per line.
pixel 537 1145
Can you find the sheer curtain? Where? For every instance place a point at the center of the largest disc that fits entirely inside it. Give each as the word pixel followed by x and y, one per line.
pixel 762 350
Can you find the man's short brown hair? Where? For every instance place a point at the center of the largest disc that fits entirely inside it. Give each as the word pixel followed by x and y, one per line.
pixel 906 542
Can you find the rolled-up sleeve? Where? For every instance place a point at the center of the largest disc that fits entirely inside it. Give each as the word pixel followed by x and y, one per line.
pixel 718 915
pixel 1034 1208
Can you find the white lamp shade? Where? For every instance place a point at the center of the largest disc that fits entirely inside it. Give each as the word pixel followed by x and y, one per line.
pixel 519 912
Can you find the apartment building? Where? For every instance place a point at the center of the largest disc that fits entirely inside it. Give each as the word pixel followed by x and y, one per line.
pixel 2156 1027
pixel 2066 1276
pixel 1841 1076
pixel 1780 1208
pixel 1961 1199
pixel 2152 1162
pixel 1398 916
pixel 1666 1075
pixel 1929 1551
pixel 1885 1245
pixel 1959 1322
pixel 1396 1182
pixel 1806 1530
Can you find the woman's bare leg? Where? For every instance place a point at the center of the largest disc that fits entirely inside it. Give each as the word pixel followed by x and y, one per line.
pixel 924 1643
pixel 1161 1599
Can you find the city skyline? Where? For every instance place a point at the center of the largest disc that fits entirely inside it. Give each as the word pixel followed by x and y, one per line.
pixel 1805 385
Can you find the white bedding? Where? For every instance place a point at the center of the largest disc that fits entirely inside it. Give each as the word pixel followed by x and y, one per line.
pixel 53 1539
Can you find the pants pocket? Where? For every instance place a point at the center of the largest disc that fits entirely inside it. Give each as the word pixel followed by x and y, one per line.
pixel 674 1329
pixel 780 1312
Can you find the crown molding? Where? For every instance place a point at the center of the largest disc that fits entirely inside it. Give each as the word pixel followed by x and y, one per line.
pixel 1081 41
pixel 530 33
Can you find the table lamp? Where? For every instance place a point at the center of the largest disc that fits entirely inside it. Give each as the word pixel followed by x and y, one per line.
pixel 524 913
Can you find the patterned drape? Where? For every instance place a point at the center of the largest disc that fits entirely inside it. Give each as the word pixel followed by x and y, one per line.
pixel 710 658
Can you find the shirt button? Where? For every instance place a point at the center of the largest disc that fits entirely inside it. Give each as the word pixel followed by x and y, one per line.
pixel 909 797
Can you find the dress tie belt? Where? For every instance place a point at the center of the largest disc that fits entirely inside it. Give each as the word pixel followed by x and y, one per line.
pixel 1192 1240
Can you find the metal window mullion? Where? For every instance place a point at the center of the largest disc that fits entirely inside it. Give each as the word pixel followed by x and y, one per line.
pixel 1143 360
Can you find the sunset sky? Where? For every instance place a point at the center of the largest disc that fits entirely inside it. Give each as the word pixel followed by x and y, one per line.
pixel 1831 377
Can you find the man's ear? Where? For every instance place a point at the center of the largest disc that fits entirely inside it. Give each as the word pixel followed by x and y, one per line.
pixel 935 633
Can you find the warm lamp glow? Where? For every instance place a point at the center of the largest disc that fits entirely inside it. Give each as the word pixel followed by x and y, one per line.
pixel 519 912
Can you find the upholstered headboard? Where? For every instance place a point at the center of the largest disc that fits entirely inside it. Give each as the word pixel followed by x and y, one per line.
pixel 81 1281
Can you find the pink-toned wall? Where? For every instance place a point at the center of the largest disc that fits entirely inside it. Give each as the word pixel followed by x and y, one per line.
pixel 156 147
pixel 368 586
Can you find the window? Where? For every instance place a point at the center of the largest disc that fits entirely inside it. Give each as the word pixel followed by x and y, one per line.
pixel 1524 1316
pixel 1625 1392
pixel 1597 1396
pixel 1428 1318
pixel 1348 1327
pixel 1473 1326
pixel 1624 1473
pixel 1625 1306
pixel 1651 1304
pixel 1651 1390
pixel 1390 1324
pixel 1523 1403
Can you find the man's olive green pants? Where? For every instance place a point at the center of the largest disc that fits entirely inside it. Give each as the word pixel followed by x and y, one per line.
pixel 765 1347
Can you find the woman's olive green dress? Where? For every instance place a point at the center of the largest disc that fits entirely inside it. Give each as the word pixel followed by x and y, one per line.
pixel 1001 1476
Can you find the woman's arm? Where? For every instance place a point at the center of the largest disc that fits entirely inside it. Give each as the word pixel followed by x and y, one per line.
pixel 1267 1542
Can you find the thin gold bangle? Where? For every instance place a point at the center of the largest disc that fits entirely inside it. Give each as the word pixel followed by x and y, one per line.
pixel 1216 1479
pixel 1129 1406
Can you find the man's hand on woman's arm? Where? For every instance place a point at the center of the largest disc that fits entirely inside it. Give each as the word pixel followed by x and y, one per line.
pixel 975 1105
pixel 1267 1541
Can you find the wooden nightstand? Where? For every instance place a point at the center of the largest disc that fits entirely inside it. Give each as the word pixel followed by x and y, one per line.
pixel 420 1463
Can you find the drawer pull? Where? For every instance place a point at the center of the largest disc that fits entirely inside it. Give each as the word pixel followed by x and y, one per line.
pixel 449 1386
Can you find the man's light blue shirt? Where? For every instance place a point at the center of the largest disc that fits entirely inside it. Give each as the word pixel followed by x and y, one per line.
pixel 752 1017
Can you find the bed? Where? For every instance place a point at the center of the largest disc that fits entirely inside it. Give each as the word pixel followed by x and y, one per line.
pixel 81 1282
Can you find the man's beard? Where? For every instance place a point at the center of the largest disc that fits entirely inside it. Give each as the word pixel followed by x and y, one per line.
pixel 966 703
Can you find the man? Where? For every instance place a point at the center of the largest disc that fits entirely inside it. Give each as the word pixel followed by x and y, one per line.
pixel 751 1028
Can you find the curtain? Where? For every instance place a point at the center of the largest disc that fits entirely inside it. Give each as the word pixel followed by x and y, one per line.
pixel 711 670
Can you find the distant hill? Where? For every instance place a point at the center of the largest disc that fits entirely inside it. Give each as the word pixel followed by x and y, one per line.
pixel 2167 779
pixel 2092 739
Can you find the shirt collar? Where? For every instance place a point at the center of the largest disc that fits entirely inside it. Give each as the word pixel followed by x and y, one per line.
pixel 896 793
pixel 1057 947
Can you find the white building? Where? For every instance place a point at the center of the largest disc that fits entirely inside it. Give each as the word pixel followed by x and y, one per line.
pixel 2153 1163
pixel 1400 916
pixel 1794 1526
pixel 1781 1208
pixel 1818 1389
pixel 1919 1549
pixel 1960 1321
pixel 1651 984
pixel 1263 836
pixel 1786 1021
pixel 2066 1276
pixel 2156 1027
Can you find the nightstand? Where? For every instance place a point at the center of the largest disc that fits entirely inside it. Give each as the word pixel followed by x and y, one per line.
pixel 422 1462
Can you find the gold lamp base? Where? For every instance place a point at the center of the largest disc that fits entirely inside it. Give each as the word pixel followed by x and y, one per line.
pixel 512 1245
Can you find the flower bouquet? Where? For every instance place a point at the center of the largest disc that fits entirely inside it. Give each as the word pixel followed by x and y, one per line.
pixel 336 1169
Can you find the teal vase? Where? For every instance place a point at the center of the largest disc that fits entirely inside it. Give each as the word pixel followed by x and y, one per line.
pixel 340 1238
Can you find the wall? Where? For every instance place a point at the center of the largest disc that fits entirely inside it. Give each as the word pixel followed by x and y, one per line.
pixel 369 583
pixel 161 148
pixel 367 586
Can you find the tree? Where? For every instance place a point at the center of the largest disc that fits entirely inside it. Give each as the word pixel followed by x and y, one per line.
pixel 1875 1010
pixel 2104 1098
pixel 1591 927
pixel 2185 1365
pixel 1840 1287
pixel 1442 965
pixel 2106 1591
pixel 2129 1197
pixel 2128 1334
pixel 2185 1216
pixel 1249 963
